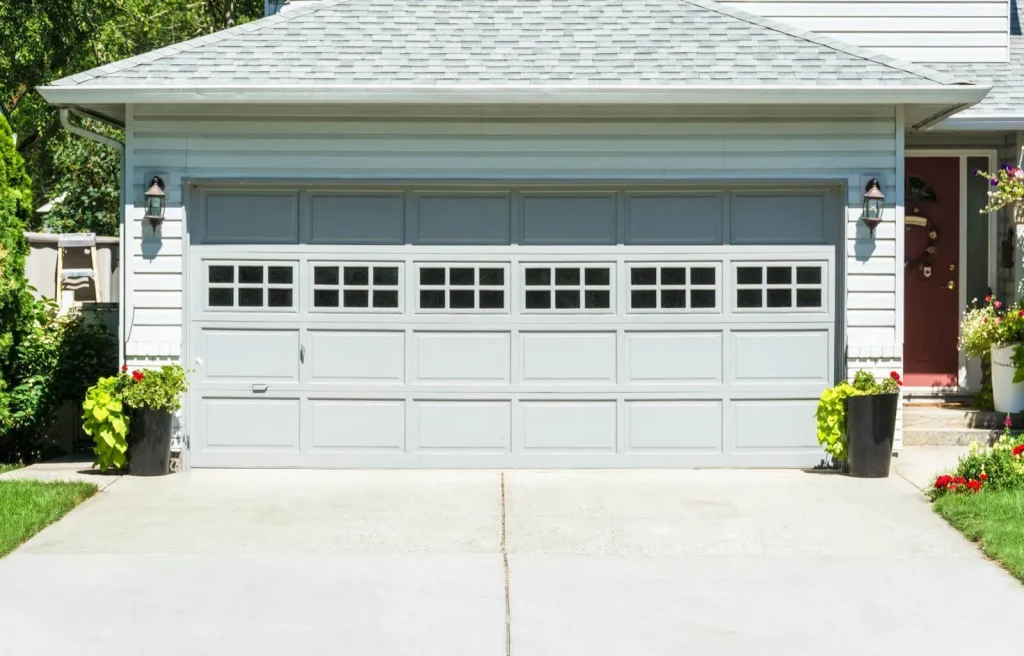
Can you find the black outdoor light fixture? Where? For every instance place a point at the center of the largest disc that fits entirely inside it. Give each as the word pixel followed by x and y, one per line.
pixel 156 202
pixel 873 200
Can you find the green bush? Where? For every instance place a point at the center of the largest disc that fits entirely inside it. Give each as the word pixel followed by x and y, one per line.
pixel 999 467
pixel 831 413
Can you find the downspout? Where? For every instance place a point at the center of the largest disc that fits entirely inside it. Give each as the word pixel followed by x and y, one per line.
pixel 65 120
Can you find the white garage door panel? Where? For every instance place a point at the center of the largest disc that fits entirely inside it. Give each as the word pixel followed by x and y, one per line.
pixel 673 357
pixel 674 425
pixel 775 424
pixel 250 355
pixel 251 423
pixel 503 327
pixel 471 426
pixel 358 425
pixel 578 426
pixel 351 356
pixel 567 358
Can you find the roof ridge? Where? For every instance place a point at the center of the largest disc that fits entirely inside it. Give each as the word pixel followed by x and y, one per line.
pixel 216 37
pixel 835 44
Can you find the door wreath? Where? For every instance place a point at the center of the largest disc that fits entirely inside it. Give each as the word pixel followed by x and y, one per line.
pixel 926 261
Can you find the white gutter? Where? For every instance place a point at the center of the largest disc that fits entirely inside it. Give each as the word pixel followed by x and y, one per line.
pixel 530 94
pixel 65 120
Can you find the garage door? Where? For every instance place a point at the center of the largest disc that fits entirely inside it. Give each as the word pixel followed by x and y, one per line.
pixel 511 327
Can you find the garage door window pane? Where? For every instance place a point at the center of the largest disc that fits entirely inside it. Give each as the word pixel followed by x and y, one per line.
pixel 780 298
pixel 492 277
pixel 536 276
pixel 250 275
pixel 748 275
pixel 808 275
pixel 385 276
pixel 702 298
pixel 673 276
pixel 567 299
pixel 748 298
pixel 250 297
pixel 597 276
pixel 221 297
pixel 432 299
pixel 326 298
pixel 644 300
pixel 566 277
pixel 279 297
pixel 357 276
pixel 221 274
pixel 538 300
pixel 356 298
pixel 808 298
pixel 645 276
pixel 461 276
pixel 673 298
pixel 385 299
pixel 702 276
pixel 780 275
pixel 492 300
pixel 325 275
pixel 461 299
pixel 432 276
pixel 598 299
pixel 278 275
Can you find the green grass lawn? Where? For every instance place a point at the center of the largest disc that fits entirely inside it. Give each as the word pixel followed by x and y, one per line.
pixel 6 468
pixel 995 520
pixel 27 507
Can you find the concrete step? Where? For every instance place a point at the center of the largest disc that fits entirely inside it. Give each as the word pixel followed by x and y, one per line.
pixel 952 425
pixel 947 436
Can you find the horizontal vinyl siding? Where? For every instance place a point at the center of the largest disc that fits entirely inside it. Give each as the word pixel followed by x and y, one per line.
pixel 914 30
pixel 313 150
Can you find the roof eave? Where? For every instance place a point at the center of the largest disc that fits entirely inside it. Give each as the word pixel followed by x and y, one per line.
pixel 965 95
pixel 999 123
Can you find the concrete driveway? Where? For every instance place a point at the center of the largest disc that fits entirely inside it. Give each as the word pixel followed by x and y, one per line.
pixel 602 562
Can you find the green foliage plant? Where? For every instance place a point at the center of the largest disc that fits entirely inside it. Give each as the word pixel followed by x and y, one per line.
pixel 108 406
pixel 831 412
pixel 989 324
pixel 104 418
pixel 998 467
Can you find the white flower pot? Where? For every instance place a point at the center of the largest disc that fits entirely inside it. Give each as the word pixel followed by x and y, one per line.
pixel 1007 395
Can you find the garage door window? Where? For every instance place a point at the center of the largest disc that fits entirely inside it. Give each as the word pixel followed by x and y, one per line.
pixel 462 288
pixel 779 286
pixel 567 288
pixel 357 287
pixel 673 287
pixel 250 286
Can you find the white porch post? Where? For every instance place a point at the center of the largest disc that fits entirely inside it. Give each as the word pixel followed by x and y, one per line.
pixel 1018 232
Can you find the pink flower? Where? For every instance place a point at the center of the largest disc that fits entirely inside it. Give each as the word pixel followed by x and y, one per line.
pixel 988 298
pixel 999 320
pixel 1019 174
pixel 1007 422
pixel 998 304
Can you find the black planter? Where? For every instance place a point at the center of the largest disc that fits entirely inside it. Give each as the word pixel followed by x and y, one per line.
pixel 149 453
pixel 870 427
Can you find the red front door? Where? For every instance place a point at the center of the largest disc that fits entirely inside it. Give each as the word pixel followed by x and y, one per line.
pixel 931 302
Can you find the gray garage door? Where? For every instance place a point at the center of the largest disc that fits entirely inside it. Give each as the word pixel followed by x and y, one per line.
pixel 512 327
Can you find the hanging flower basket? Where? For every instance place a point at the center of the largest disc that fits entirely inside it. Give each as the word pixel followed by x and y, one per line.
pixel 1006 189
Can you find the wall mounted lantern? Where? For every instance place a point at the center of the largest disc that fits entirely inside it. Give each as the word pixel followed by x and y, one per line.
pixel 156 202
pixel 873 200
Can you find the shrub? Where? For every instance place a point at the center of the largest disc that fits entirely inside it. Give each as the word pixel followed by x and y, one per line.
pixel 1000 467
pixel 831 413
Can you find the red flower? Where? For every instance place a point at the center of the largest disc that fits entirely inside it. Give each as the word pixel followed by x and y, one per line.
pixel 124 368
pixel 138 375
pixel 974 485
pixel 986 319
pixel 983 476
pixel 1021 313
pixel 960 480
pixel 988 298
pixel 895 376
pixel 942 481
pixel 1017 450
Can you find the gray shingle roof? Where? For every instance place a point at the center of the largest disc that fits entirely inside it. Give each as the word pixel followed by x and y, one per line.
pixel 510 42
pixel 1007 80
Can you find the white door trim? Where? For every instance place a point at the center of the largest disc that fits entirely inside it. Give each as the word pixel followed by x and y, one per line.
pixel 963 384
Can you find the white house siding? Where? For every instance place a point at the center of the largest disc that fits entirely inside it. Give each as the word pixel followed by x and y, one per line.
pixel 913 30
pixel 220 146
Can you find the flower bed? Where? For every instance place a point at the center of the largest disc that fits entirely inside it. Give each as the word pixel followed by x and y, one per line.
pixel 999 467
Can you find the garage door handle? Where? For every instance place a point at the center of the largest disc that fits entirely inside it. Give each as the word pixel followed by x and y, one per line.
pixel 259 389
pixel 302 353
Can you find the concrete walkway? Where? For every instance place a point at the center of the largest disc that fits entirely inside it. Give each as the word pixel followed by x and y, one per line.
pixel 598 562
pixel 75 467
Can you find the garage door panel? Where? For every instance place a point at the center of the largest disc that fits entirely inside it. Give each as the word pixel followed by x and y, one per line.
pixel 774 423
pixel 358 425
pixel 673 357
pixel 674 425
pixel 776 218
pixel 351 356
pixel 464 219
pixel 237 218
pixel 462 357
pixel 568 426
pixel 247 355
pixel 357 219
pixel 463 425
pixel 569 220
pixel 237 423
pixel 568 358
pixel 674 219
pixel 782 357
